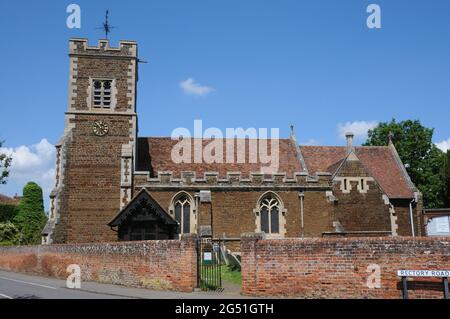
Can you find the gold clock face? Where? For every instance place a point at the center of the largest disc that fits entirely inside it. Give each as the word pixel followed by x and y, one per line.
pixel 100 128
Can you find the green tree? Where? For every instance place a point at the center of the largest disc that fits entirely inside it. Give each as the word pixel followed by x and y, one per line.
pixel 447 180
pixel 7 212
pixel 422 159
pixel 31 218
pixel 5 163
pixel 9 234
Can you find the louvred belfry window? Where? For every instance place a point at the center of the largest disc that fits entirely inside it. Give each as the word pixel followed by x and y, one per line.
pixel 102 93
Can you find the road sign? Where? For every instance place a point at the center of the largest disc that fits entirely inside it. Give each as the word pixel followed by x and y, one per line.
pixel 423 273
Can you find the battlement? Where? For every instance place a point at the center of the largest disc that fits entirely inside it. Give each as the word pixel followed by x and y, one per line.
pixel 79 47
pixel 235 179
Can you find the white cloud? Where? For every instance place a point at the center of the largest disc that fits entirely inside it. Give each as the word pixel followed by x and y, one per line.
pixel 358 128
pixel 444 145
pixel 191 87
pixel 31 163
pixel 311 142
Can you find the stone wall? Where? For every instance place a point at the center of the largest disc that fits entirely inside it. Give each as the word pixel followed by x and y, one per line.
pixel 88 196
pixel 337 268
pixel 404 218
pixel 233 210
pixel 161 265
pixel 360 204
pixel 92 181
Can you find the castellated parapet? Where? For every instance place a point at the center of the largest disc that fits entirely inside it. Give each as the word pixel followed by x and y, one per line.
pixel 81 47
pixel 234 179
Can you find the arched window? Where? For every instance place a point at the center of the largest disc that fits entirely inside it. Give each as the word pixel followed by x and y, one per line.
pixel 270 219
pixel 270 215
pixel 182 209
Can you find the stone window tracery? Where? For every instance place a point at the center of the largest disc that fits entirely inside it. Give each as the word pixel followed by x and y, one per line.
pixel 182 210
pixel 270 216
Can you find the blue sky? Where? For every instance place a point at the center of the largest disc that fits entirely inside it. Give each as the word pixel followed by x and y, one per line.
pixel 269 64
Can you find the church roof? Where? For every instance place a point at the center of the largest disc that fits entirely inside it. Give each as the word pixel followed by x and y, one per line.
pixel 154 154
pixel 381 161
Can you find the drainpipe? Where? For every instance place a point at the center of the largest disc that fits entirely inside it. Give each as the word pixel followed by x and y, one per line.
pixel 411 217
pixel 197 212
pixel 302 195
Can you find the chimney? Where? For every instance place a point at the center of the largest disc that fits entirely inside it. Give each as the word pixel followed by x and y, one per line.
pixel 390 137
pixel 349 136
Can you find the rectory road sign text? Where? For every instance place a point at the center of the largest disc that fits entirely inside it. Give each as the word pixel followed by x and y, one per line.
pixel 423 273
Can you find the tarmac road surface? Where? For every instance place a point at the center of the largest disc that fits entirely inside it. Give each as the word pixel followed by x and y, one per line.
pixel 22 286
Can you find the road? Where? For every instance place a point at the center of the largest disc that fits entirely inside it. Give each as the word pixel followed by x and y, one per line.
pixel 20 286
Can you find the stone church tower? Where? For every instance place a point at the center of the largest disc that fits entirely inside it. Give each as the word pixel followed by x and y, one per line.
pixel 94 156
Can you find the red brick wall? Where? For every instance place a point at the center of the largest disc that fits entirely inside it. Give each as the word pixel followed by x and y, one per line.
pixel 336 268
pixel 161 265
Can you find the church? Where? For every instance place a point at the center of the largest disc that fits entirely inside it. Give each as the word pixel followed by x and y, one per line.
pixel 113 185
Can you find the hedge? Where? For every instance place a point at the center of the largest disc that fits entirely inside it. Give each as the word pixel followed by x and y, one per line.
pixel 7 212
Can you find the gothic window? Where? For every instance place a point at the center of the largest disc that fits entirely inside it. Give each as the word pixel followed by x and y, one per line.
pixel 102 93
pixel 182 209
pixel 270 214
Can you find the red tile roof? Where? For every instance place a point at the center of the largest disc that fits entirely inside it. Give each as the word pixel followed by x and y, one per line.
pixel 154 155
pixel 320 158
pixel 160 149
pixel 9 200
pixel 380 161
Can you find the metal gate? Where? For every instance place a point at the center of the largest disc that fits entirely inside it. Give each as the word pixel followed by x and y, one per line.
pixel 209 264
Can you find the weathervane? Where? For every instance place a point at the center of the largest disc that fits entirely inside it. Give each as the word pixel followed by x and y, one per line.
pixel 106 27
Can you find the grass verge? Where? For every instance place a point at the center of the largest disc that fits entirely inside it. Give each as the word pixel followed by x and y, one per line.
pixel 231 276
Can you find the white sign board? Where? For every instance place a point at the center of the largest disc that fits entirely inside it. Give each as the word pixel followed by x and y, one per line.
pixel 207 256
pixel 442 225
pixel 423 273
